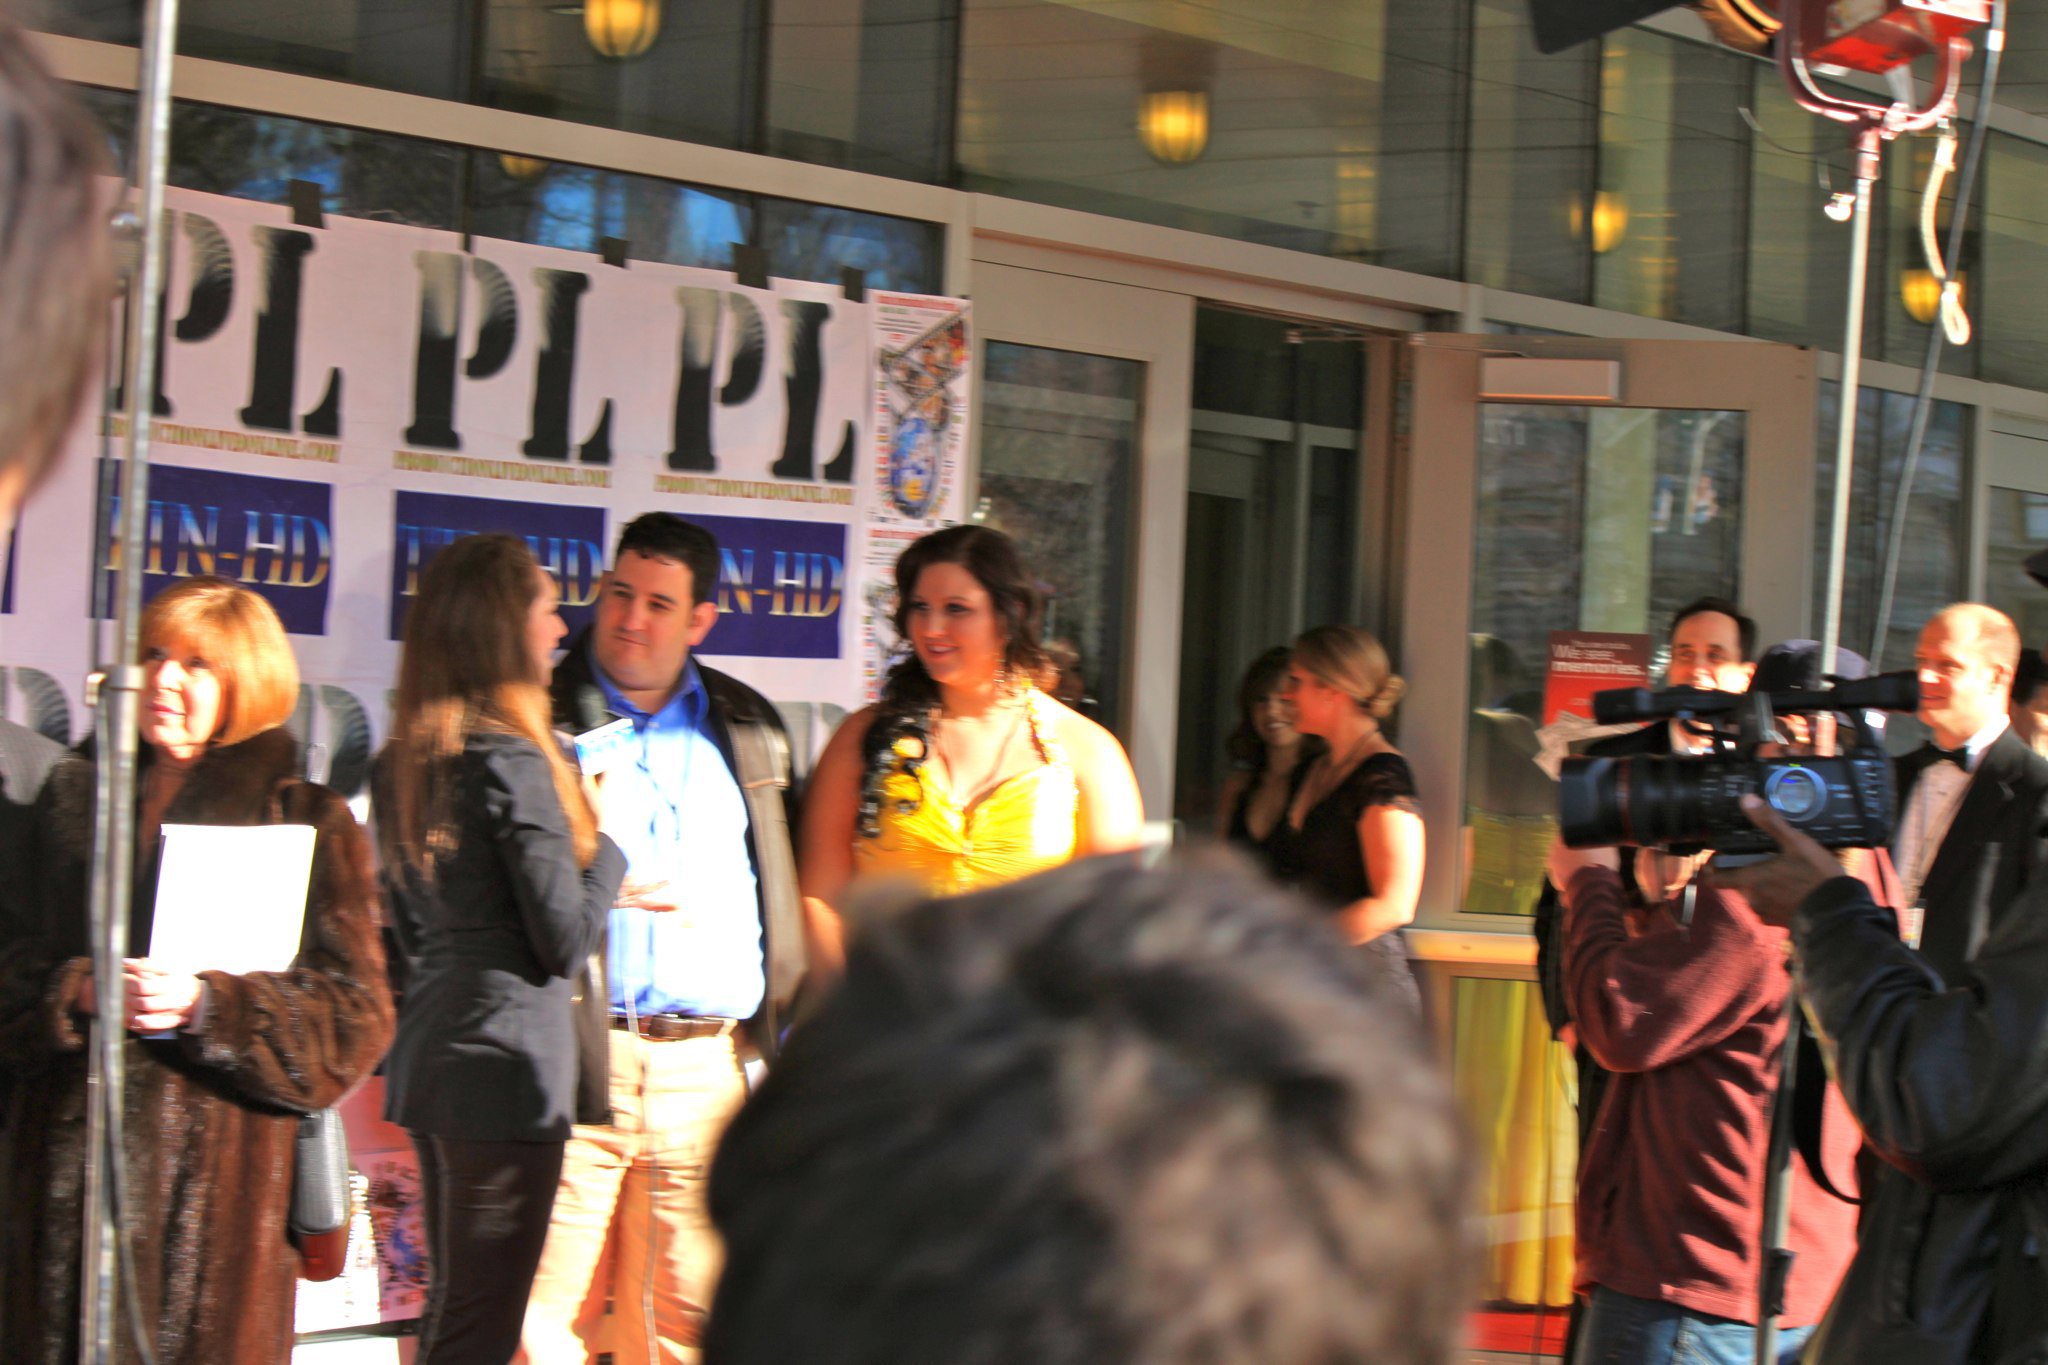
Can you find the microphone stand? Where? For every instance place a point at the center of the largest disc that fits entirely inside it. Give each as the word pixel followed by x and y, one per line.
pixel 118 711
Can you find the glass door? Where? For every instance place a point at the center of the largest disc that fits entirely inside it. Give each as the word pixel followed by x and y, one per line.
pixel 2016 524
pixel 1081 437
pixel 1561 484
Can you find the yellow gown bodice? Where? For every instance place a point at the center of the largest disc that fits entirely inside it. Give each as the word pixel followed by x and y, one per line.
pixel 1029 822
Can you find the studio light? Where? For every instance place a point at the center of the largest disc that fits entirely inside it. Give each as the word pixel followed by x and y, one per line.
pixel 621 29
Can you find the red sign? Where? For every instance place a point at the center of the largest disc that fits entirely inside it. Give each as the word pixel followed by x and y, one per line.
pixel 1583 662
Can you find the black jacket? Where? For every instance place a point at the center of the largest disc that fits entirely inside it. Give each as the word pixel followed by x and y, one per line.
pixel 1995 848
pixel 1950 1084
pixel 580 705
pixel 485 1049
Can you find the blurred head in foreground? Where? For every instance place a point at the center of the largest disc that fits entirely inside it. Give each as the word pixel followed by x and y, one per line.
pixel 55 278
pixel 1101 1115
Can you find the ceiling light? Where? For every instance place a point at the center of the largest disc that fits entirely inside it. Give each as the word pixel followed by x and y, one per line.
pixel 1173 125
pixel 621 29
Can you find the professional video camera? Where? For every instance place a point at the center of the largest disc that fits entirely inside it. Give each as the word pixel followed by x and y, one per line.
pixel 1689 803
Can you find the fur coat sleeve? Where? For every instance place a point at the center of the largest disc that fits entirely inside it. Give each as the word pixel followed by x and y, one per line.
pixel 297 1039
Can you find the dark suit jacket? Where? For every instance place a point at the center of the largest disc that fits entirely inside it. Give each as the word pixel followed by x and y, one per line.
pixel 580 705
pixel 486 1047
pixel 25 762
pixel 1996 846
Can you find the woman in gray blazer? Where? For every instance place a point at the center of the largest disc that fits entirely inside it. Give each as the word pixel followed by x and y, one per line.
pixel 500 882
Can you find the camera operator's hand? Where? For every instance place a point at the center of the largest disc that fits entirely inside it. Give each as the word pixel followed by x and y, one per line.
pixel 1565 863
pixel 1774 888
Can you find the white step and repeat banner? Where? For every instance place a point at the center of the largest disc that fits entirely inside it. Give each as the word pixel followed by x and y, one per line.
pixel 340 402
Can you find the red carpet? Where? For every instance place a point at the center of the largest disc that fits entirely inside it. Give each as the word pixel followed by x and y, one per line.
pixel 1517 1331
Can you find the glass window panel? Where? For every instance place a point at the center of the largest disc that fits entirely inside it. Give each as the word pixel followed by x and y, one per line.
pixel 2016 525
pixel 1605 519
pixel 866 84
pixel 1902 287
pixel 1318 127
pixel 1666 223
pixel 816 241
pixel 1798 256
pixel 421 47
pixel 2013 310
pixel 574 207
pixel 1273 521
pixel 1059 432
pixel 1931 559
pixel 257 156
pixel 1531 170
pixel 695 81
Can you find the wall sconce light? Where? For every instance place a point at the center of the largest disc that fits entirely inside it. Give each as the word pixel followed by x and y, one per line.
pixel 621 29
pixel 1609 218
pixel 1173 125
pixel 1921 293
pixel 522 168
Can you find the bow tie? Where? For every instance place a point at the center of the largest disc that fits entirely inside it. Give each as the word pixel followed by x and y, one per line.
pixel 1936 754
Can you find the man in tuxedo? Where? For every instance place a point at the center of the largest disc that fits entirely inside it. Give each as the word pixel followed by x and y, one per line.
pixel 1973 804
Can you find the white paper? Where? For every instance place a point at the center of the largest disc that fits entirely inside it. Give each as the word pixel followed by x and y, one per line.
pixel 231 898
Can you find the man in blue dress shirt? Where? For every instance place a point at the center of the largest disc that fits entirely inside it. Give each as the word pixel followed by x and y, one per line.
pixel 703 955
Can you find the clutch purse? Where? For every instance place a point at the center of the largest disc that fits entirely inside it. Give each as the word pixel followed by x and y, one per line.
pixel 318 1220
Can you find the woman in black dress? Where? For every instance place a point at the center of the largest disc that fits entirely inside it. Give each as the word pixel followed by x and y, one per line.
pixel 1352 838
pixel 1264 749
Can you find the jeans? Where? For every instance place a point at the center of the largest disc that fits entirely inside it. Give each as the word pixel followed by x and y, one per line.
pixel 1622 1330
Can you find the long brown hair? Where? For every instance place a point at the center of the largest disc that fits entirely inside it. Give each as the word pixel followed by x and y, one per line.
pixel 466 668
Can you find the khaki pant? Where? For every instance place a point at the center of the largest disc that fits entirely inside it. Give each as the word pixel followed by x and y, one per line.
pixel 630 1226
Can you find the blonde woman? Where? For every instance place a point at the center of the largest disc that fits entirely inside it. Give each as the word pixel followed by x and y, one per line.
pixel 1352 836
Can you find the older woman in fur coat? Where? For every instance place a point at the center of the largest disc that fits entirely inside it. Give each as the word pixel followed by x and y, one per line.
pixel 214 1091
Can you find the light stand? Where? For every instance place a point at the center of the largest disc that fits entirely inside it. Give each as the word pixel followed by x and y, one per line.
pixel 117 715
pixel 1874 125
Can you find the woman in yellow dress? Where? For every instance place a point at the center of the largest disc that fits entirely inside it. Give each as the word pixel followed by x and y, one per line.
pixel 964 774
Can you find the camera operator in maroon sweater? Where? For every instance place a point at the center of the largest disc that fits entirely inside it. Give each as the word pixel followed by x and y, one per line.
pixel 1684 1002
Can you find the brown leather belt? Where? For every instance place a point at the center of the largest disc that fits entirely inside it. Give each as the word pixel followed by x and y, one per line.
pixel 670 1027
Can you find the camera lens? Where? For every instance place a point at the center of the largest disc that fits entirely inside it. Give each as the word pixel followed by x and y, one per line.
pixel 1798 794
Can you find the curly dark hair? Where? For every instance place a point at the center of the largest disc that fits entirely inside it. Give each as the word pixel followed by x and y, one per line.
pixel 900 736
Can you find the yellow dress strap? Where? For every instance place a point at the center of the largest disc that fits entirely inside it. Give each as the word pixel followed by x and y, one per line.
pixel 1042 713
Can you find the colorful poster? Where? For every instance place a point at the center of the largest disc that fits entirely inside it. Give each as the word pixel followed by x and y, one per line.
pixel 1583 662
pixel 401 1234
pixel 916 460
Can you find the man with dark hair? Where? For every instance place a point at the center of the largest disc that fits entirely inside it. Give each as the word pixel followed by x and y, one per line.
pixel 702 961
pixel 1710 643
pixel 1099 1115
pixel 1681 997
